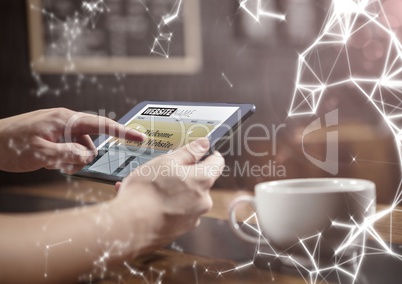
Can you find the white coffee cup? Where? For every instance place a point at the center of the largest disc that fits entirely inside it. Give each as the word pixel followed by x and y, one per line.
pixel 310 221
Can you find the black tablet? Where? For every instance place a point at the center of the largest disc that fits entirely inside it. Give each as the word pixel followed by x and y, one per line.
pixel 168 126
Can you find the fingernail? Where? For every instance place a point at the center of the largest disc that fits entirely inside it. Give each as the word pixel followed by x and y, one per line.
pixel 144 136
pixel 91 155
pixel 217 153
pixel 203 143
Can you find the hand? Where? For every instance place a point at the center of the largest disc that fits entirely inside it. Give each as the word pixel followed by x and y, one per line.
pixel 54 139
pixel 150 210
pixel 165 197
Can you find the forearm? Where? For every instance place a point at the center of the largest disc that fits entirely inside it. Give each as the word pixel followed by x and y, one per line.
pixel 62 246
pixel 148 212
pixel 5 145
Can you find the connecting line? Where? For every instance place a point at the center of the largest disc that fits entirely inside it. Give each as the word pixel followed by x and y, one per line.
pixel 360 261
pixel 227 80
pixel 94 7
pixel 375 162
pixel 270 270
pixel 258 11
pixel 195 272
pixel 236 268
pixel 353 237
pixel 137 273
pixel 144 5
pixel 311 255
pixel 272 15
pixel 370 205
pixel 47 250
pixel 176 10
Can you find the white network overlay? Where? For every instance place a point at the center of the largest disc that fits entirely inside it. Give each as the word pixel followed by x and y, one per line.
pixel 327 64
pixel 256 10
pixel 161 45
pixel 346 19
pixel 73 30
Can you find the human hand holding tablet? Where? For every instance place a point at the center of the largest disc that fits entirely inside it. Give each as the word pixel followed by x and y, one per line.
pixel 168 126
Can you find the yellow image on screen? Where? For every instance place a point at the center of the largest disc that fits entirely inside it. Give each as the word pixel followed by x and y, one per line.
pixel 165 135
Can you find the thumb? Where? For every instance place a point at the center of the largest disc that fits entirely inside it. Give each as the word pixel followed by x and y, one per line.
pixel 192 152
pixel 68 153
pixel 117 185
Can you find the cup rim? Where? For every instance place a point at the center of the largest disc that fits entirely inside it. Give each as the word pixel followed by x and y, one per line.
pixel 310 185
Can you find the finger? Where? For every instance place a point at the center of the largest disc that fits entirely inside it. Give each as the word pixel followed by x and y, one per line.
pixel 208 171
pixel 81 124
pixel 117 185
pixel 213 165
pixel 86 141
pixel 192 152
pixel 197 223
pixel 67 153
pixel 208 203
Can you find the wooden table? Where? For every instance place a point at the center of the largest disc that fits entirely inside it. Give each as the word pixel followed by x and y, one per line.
pixel 172 265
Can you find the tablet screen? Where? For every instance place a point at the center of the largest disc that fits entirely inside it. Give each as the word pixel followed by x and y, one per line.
pixel 167 127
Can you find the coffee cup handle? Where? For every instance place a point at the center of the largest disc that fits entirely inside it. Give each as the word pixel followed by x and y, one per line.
pixel 233 220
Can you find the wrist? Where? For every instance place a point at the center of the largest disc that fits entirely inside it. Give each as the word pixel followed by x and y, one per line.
pixel 137 215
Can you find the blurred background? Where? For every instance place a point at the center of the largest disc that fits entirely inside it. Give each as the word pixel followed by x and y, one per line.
pixel 237 60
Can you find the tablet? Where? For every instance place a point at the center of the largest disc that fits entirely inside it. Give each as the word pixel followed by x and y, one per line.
pixel 168 126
